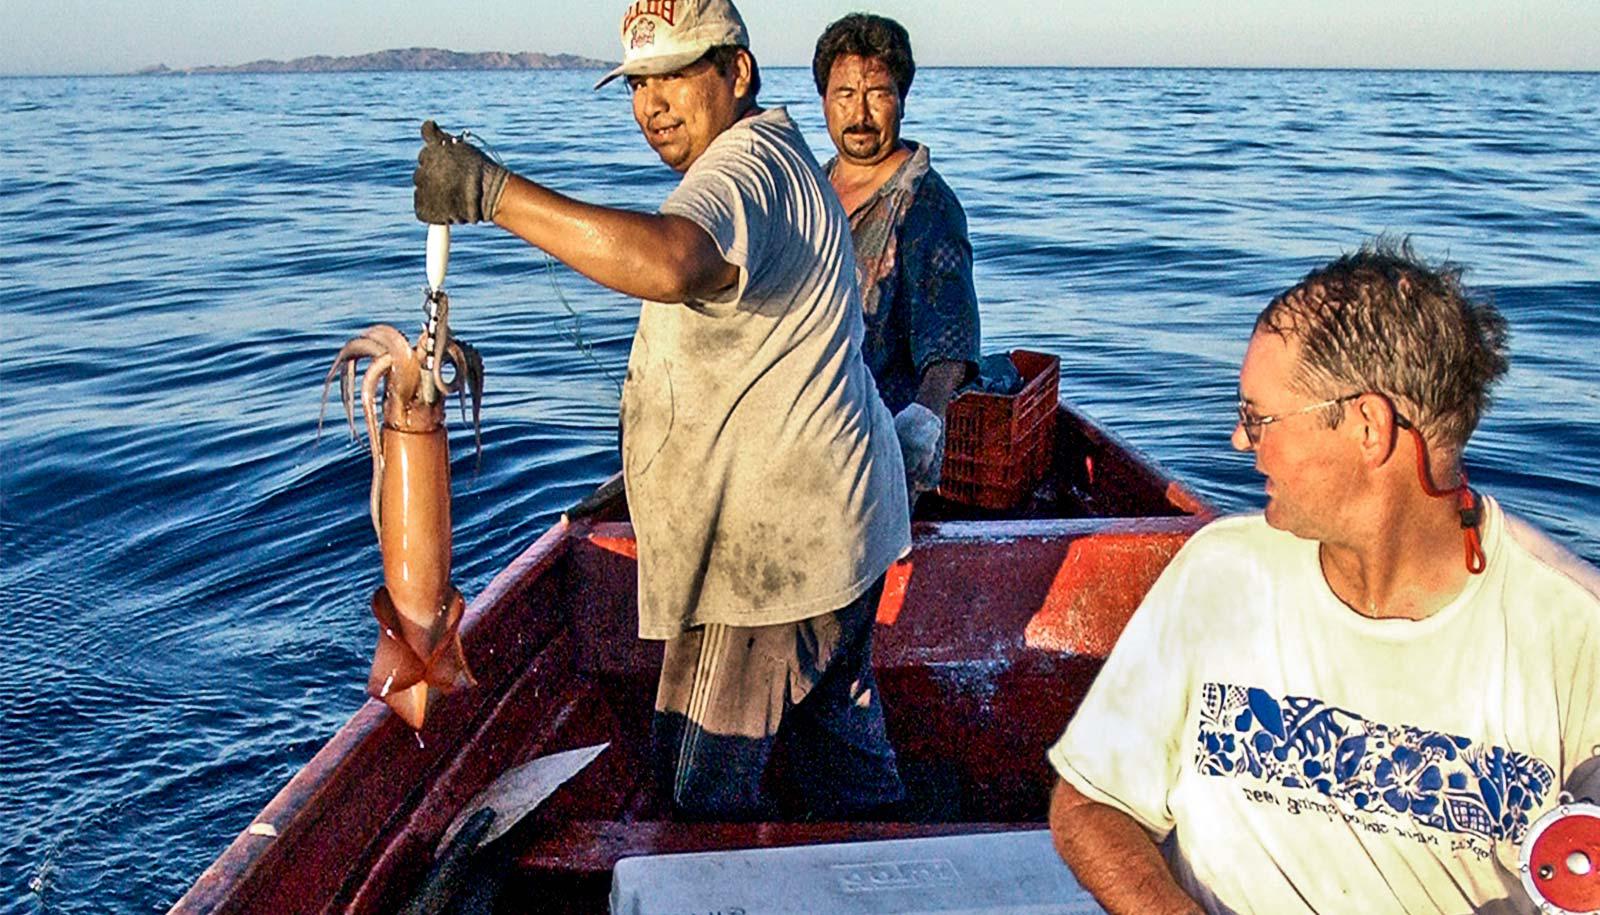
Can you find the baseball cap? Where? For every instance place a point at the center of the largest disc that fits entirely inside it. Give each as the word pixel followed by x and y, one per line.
pixel 660 36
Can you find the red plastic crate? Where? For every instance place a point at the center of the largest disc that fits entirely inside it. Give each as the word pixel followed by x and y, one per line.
pixel 999 446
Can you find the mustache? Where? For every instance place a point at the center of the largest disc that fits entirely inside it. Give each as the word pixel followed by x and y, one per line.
pixel 864 127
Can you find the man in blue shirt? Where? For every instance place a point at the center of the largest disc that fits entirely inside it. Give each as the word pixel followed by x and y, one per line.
pixel 913 259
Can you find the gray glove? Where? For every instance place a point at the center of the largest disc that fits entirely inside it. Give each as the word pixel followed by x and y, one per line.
pixel 921 433
pixel 455 181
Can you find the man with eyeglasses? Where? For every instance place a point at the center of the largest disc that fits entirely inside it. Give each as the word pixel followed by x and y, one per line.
pixel 1361 699
pixel 763 473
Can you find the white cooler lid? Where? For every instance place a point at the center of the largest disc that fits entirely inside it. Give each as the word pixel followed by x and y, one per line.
pixel 1003 872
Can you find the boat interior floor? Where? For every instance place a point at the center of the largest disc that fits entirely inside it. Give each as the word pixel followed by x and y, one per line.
pixel 981 767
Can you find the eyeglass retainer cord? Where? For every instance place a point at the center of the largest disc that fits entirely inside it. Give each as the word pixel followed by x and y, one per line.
pixel 1466 503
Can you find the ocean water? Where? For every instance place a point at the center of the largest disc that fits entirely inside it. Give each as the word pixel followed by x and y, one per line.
pixel 185 566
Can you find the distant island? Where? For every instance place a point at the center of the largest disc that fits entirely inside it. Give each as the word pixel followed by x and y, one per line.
pixel 399 59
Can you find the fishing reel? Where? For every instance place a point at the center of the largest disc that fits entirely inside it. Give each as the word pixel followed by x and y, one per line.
pixel 1560 859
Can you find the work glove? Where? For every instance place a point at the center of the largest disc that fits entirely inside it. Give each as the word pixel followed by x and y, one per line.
pixel 921 433
pixel 455 181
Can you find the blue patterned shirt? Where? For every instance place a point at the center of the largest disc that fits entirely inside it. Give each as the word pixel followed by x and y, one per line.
pixel 914 268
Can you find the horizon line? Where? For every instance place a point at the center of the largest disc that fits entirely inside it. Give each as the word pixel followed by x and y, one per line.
pixel 151 73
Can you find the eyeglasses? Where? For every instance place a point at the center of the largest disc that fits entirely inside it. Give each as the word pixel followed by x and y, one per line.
pixel 1251 423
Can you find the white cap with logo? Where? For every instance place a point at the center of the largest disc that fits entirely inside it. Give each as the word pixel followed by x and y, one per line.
pixel 661 36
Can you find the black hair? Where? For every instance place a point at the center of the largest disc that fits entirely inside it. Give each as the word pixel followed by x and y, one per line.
pixel 722 57
pixel 865 35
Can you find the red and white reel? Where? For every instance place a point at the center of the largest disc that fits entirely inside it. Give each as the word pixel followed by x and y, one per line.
pixel 1560 859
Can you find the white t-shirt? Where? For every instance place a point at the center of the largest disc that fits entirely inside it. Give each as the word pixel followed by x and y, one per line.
pixel 1303 757
pixel 763 472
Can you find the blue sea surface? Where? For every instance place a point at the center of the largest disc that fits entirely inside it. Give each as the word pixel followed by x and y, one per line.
pixel 186 567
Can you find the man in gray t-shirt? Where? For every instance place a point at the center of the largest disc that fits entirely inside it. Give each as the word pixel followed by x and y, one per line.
pixel 763 472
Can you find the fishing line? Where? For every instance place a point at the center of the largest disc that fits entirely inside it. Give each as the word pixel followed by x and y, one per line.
pixel 485 146
pixel 576 335
pixel 587 349
pixel 579 341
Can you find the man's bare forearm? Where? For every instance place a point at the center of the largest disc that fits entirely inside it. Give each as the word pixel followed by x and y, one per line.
pixel 644 255
pixel 939 382
pixel 1113 857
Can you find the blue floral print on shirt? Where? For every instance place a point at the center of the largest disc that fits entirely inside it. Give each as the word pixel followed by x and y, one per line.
pixel 1438 780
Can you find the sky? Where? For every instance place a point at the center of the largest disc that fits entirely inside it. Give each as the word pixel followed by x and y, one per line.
pixel 45 37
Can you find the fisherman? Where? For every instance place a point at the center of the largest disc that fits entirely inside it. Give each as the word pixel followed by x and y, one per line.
pixel 913 259
pixel 762 471
pixel 1360 699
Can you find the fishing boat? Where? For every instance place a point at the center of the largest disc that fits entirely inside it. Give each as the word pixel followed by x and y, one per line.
pixel 989 633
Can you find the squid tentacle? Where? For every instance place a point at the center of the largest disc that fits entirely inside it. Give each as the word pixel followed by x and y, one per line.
pixel 468 380
pixel 369 393
pixel 389 336
pixel 403 383
pixel 351 353
pixel 440 342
